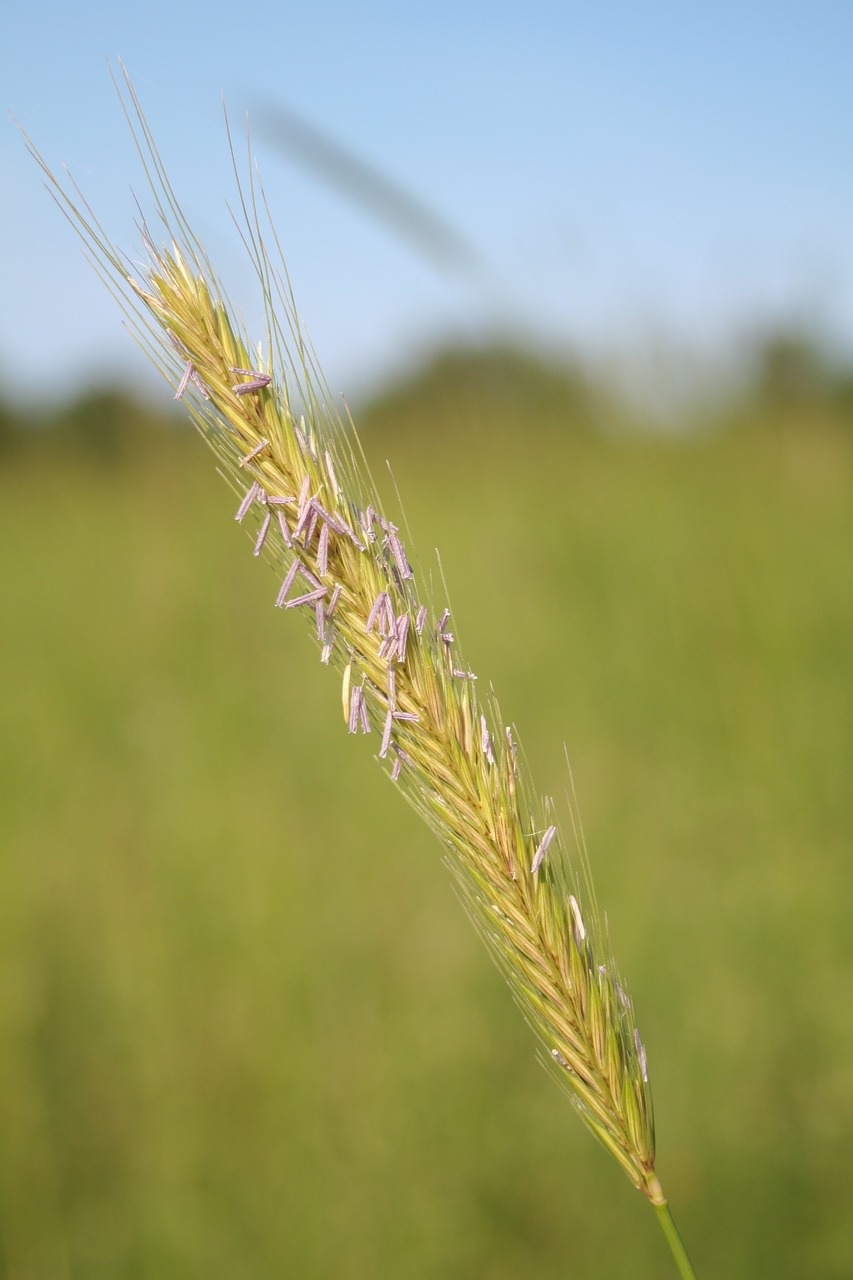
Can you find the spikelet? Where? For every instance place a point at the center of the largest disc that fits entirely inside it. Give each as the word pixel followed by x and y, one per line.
pixel 306 495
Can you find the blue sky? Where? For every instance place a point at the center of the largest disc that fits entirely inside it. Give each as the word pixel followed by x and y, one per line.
pixel 634 174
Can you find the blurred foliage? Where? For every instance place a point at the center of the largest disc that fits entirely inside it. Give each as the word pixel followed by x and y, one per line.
pixel 102 424
pixel 791 371
pixel 245 1029
pixel 784 376
pixel 476 384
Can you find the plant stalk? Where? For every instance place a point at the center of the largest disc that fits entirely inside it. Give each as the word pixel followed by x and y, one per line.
pixel 673 1239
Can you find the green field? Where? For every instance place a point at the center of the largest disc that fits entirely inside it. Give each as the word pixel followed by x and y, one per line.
pixel 246 1030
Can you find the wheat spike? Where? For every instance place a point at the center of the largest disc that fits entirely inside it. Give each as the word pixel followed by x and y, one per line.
pixel 306 495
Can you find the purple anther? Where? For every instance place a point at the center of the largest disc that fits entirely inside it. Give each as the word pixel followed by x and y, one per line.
pixel 323 552
pixel 624 998
pixel 463 675
pixel 375 611
pixel 444 634
pixel 355 701
pixel 386 734
pixel 402 758
pixel 182 385
pixel 388 621
pixel 251 493
pixel 420 621
pixel 285 531
pixel 333 603
pixel 259 448
pixel 402 636
pixel 336 523
pixel 513 751
pixel 641 1056
pixel 289 580
pixel 330 472
pixel 257 381
pixel 387 649
pixel 306 513
pixel 544 845
pixel 308 598
pixel 321 511
pixel 280 502
pixel 303 495
pixel 340 526
pixel 303 443
pixel 396 546
pixel 578 926
pixel 320 614
pixel 189 371
pixel 195 378
pixel 308 436
pixel 486 740
pixel 312 526
pixel 392 686
pixel 262 535
pixel 362 715
pixel 411 716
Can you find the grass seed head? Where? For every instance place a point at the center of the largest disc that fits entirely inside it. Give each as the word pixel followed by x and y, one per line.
pixel 269 419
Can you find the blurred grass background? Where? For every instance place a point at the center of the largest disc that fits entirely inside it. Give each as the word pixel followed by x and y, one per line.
pixel 245 1028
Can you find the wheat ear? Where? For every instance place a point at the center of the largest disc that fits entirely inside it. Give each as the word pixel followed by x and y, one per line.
pixel 306 494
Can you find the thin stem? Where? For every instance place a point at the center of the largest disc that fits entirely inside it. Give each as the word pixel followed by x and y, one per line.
pixel 673 1239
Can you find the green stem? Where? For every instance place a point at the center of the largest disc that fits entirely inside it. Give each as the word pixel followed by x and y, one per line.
pixel 674 1241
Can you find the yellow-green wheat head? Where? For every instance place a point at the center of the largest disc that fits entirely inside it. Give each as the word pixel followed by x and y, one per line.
pixel 344 567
